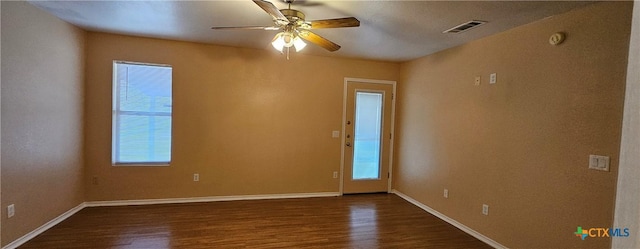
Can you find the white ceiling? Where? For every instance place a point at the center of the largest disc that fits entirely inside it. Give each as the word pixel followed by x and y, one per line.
pixel 389 30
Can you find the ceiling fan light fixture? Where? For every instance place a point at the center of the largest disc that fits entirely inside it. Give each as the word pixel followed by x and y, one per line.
pixel 288 38
pixel 278 42
pixel 299 44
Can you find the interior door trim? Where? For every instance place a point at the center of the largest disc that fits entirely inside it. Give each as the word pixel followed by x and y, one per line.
pixel 344 120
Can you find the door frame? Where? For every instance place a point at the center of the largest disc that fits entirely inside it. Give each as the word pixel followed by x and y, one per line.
pixel 344 127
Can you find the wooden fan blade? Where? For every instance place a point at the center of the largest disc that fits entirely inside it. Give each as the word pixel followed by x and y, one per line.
pixel 318 40
pixel 335 23
pixel 272 11
pixel 246 27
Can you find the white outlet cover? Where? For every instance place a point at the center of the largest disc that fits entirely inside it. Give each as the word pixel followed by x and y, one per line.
pixel 493 78
pixel 11 210
pixel 446 193
pixel 196 177
pixel 485 209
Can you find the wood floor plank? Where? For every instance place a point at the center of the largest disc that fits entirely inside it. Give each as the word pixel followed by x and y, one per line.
pixel 351 221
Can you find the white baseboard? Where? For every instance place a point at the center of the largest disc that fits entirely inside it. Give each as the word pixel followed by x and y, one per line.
pixel 208 199
pixel 74 210
pixel 453 222
pixel 43 228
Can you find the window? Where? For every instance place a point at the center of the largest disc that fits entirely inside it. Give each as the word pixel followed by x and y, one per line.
pixel 141 114
pixel 367 139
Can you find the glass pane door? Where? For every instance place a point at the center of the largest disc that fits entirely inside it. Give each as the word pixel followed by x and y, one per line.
pixel 368 126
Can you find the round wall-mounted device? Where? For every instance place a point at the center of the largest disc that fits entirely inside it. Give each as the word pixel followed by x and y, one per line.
pixel 557 38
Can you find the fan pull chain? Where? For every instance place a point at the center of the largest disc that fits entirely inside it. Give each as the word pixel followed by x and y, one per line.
pixel 288 52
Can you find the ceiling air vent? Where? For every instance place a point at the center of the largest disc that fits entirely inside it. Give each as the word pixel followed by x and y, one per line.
pixel 464 27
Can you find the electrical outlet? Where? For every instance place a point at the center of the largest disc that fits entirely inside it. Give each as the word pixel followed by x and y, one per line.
pixel 11 210
pixel 493 78
pixel 485 209
pixel 446 193
pixel 335 174
pixel 196 177
pixel 477 82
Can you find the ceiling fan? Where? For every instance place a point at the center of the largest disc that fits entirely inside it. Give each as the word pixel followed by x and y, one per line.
pixel 294 28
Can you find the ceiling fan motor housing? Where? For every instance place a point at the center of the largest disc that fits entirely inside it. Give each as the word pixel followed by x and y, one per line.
pixel 296 18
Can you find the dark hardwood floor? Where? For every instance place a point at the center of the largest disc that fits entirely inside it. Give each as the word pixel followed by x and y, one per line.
pixel 351 221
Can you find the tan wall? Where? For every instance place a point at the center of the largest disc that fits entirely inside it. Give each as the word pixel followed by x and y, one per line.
pixel 248 121
pixel 522 145
pixel 42 99
pixel 251 122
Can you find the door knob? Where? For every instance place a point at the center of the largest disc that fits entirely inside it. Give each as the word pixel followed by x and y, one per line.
pixel 348 144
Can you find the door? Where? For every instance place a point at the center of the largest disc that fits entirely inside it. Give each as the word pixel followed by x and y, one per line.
pixel 367 137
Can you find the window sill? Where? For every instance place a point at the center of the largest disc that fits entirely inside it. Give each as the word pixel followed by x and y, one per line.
pixel 140 164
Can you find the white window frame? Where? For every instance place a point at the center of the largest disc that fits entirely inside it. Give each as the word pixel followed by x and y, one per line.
pixel 116 112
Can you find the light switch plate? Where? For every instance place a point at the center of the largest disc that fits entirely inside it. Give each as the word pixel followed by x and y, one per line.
pixel 335 134
pixel 597 162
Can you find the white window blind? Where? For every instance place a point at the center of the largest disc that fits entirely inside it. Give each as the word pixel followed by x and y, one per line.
pixel 141 114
